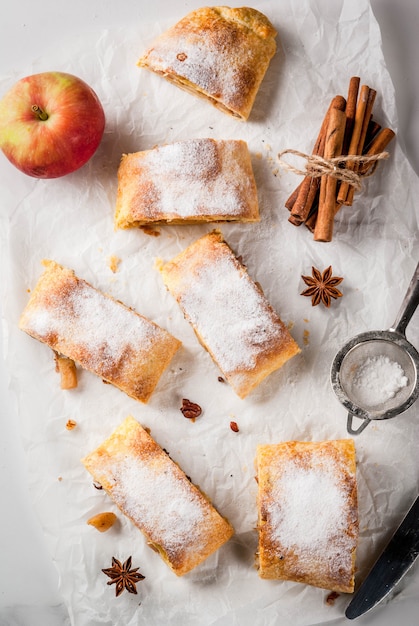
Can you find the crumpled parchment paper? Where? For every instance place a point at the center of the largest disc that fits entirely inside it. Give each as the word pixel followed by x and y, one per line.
pixel 375 249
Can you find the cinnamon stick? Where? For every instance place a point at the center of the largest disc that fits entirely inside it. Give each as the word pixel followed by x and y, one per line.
pixel 362 119
pixel 292 198
pixel 305 199
pixel 295 219
pixel 378 144
pixel 351 103
pixel 309 187
pixel 327 203
pixel 373 130
pixel 310 222
pixel 367 119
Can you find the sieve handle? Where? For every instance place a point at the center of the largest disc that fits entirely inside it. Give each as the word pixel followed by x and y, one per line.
pixel 356 431
pixel 409 305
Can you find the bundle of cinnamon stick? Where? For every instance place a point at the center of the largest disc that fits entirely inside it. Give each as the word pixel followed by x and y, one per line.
pixel 347 130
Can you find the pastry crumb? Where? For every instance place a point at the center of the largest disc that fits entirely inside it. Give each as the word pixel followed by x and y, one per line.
pixel 332 596
pixel 114 262
pixel 102 521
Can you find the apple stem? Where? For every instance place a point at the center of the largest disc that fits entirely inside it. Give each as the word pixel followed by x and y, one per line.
pixel 39 112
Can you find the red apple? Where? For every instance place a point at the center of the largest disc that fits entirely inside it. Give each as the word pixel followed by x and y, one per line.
pixel 50 124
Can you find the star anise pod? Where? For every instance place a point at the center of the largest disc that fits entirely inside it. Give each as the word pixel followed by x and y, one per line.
pixel 123 576
pixel 322 286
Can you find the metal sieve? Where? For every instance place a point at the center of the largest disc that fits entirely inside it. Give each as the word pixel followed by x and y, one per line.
pixel 391 343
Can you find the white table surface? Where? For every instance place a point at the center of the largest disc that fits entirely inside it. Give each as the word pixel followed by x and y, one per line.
pixel 29 593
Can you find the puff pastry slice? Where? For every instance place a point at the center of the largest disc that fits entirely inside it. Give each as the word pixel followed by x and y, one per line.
pixel 307 513
pixel 97 332
pixel 198 180
pixel 228 312
pixel 218 53
pixel 176 518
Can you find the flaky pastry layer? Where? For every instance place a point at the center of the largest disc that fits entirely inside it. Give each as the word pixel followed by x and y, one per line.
pixel 187 182
pixel 307 513
pixel 220 54
pixel 97 332
pixel 229 313
pixel 177 519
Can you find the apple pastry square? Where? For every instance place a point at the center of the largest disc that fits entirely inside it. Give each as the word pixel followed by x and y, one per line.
pixel 308 513
pixel 187 182
pixel 175 516
pixel 97 332
pixel 219 54
pixel 229 312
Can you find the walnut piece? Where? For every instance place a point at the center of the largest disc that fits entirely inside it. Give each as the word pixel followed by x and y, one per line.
pixel 190 410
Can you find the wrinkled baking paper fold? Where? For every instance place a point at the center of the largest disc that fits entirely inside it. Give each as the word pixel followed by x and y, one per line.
pixel 375 249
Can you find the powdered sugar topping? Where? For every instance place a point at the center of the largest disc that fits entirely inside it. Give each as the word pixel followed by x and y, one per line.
pixel 165 505
pixel 207 61
pixel 308 510
pixel 196 177
pixel 100 330
pixel 230 313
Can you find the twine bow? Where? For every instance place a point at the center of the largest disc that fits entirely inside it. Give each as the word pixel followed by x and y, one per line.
pixel 317 166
